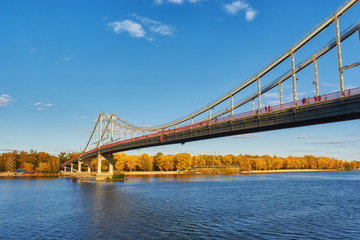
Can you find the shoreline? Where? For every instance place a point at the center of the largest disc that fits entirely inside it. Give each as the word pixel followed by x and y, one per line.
pixel 147 173
pixel 141 173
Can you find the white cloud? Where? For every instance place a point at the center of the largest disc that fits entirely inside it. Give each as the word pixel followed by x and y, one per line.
pixel 178 2
pixel 250 14
pixel 240 5
pixel 155 26
pixel 161 29
pixel 142 27
pixel 195 1
pixel 5 99
pixel 235 7
pixel 134 29
pixel 42 106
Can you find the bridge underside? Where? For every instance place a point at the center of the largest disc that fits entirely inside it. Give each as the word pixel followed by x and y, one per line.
pixel 342 109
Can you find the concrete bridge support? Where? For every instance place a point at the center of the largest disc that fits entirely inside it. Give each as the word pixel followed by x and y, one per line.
pixel 110 158
pixel 79 166
pixel 71 167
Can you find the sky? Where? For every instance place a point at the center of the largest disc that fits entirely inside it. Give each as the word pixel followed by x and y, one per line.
pixel 62 62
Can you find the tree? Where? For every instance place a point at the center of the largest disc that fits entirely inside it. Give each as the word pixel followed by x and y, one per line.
pixel 120 159
pixel 183 161
pixel 145 162
pixel 168 162
pixel 158 162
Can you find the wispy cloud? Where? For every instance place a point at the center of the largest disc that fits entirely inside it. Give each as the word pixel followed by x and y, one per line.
pixel 155 26
pixel 307 137
pixel 41 106
pixel 5 99
pixel 140 27
pixel 32 50
pixel 178 2
pixel 333 142
pixel 134 29
pixel 77 117
pixel 236 6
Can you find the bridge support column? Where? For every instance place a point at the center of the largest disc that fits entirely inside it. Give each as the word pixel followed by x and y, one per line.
pixel 89 167
pixel 111 164
pixel 316 76
pixel 99 160
pixel 71 167
pixel 259 94
pixel 110 158
pixel 293 78
pixel 232 106
pixel 281 94
pixel 79 166
pixel 65 169
pixel 338 46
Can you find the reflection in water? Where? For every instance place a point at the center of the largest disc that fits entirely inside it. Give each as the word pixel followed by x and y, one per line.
pixel 268 206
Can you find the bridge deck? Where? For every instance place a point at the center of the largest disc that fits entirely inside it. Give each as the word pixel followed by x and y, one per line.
pixel 330 108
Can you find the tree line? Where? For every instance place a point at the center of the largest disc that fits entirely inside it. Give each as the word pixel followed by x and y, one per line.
pixel 184 161
pixel 43 162
pixel 33 161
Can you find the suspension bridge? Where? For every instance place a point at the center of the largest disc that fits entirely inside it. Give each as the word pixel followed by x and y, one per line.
pixel 113 134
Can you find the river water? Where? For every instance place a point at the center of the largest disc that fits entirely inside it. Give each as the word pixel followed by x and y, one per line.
pixel 323 205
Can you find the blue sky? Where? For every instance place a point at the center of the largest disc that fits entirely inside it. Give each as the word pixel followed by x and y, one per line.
pixel 150 62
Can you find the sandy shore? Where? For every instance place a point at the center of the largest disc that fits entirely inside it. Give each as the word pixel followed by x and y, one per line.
pixel 289 171
pixel 243 172
pixel 16 174
pixel 154 173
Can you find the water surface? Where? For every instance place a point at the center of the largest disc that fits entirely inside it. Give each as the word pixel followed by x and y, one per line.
pixel 320 205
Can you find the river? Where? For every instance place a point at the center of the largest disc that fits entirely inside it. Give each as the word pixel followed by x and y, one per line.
pixel 316 205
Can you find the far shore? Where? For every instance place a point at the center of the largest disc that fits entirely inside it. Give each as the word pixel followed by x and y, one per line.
pixel 144 173
pixel 139 173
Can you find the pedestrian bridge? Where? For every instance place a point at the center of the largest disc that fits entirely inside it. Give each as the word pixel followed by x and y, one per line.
pixel 111 133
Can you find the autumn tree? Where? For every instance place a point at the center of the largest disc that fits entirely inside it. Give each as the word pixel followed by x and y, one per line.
pixel 145 162
pixel 183 161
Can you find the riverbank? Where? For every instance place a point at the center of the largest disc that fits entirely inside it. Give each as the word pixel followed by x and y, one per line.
pixel 16 174
pixel 141 173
